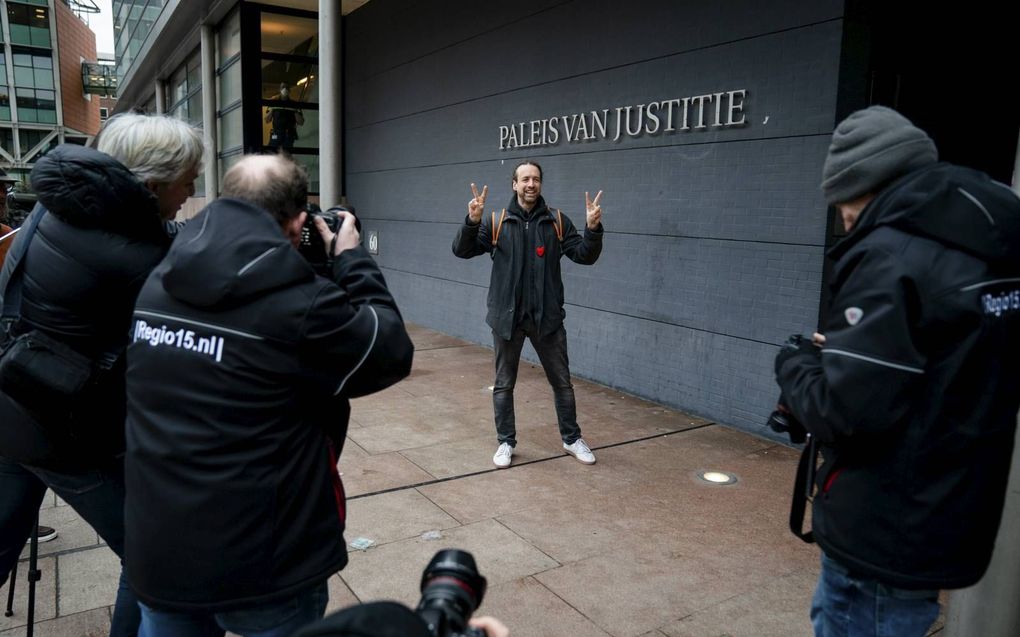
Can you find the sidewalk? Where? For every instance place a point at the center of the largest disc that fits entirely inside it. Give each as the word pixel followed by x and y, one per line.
pixel 635 545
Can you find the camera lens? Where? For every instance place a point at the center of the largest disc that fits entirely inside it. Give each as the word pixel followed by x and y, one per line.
pixel 451 590
pixel 778 422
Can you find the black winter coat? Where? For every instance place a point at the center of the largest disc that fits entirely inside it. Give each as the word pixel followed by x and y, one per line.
pixel 239 370
pixel 92 251
pixel 534 239
pixel 914 396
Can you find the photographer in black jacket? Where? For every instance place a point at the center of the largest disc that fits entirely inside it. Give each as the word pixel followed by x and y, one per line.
pixel 102 230
pixel 913 392
pixel 241 363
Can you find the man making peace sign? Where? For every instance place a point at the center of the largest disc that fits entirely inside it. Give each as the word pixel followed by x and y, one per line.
pixel 526 241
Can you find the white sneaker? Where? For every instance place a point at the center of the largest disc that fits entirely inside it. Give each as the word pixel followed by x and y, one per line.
pixel 580 450
pixel 503 455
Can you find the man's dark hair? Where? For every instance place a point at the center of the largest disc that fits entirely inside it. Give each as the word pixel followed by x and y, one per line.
pixel 528 162
pixel 274 183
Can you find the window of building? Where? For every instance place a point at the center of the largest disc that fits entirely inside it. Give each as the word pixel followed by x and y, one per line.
pixel 290 35
pixel 231 129
pixel 184 91
pixel 30 24
pixel 311 164
pixel 227 160
pixel 184 99
pixel 301 78
pixel 5 104
pixel 33 85
pixel 228 84
pixel 289 87
pixel 229 38
pixel 36 105
pixel 149 107
pixel 33 68
pixel 230 120
pixel 31 138
pixel 104 113
pixel 5 94
pixel 7 140
pixel 132 23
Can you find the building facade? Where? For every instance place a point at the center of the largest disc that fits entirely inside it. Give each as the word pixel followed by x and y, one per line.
pixel 704 124
pixel 255 53
pixel 42 97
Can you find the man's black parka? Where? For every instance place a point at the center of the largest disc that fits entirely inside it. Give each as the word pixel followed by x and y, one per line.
pixel 521 240
pixel 914 395
pixel 99 239
pixel 239 371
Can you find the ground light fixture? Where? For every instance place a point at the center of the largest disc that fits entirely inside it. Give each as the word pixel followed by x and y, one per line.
pixel 720 478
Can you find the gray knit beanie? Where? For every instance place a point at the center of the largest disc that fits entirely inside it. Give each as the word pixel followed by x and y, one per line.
pixel 870 148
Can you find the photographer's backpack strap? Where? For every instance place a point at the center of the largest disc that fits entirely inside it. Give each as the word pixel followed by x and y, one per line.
pixel 12 291
pixel 803 486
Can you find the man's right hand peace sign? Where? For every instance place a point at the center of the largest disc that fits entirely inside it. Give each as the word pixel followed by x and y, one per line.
pixel 477 205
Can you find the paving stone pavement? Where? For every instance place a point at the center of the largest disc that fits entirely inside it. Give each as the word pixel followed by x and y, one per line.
pixel 633 546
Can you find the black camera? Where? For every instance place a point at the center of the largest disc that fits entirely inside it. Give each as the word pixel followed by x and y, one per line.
pixel 782 419
pixel 451 590
pixel 311 246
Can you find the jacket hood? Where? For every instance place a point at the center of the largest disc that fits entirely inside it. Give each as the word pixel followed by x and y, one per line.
pixel 90 189
pixel 230 253
pixel 959 207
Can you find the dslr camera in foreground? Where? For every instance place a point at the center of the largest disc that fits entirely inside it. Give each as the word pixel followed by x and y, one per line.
pixel 451 591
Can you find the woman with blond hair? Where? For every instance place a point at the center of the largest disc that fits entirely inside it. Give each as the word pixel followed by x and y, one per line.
pixel 101 225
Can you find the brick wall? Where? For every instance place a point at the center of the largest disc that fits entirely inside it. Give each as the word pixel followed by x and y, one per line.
pixel 75 41
pixel 714 238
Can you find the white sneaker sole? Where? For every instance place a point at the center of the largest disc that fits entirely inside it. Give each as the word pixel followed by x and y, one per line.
pixel 571 453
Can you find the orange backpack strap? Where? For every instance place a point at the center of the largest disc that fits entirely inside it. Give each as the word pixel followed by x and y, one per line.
pixel 559 225
pixel 496 228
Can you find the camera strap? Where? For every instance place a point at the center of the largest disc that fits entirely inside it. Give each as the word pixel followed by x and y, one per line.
pixel 330 255
pixel 12 291
pixel 803 486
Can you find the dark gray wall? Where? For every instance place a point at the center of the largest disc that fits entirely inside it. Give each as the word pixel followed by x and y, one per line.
pixel 714 239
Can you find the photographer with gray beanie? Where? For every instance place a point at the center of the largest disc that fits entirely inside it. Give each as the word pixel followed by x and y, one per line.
pixel 911 392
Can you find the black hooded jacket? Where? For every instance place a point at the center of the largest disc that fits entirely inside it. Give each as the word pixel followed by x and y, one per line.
pixel 239 371
pixel 914 396
pixel 100 238
pixel 526 263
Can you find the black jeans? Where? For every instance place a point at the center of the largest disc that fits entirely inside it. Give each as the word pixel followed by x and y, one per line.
pixel 552 352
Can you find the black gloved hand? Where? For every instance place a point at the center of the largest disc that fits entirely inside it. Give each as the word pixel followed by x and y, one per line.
pixel 794 346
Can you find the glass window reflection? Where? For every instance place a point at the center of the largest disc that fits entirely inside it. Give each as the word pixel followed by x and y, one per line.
pixel 230 129
pixel 229 37
pixel 301 78
pixel 229 83
pixel 311 164
pixel 285 127
pixel 289 35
